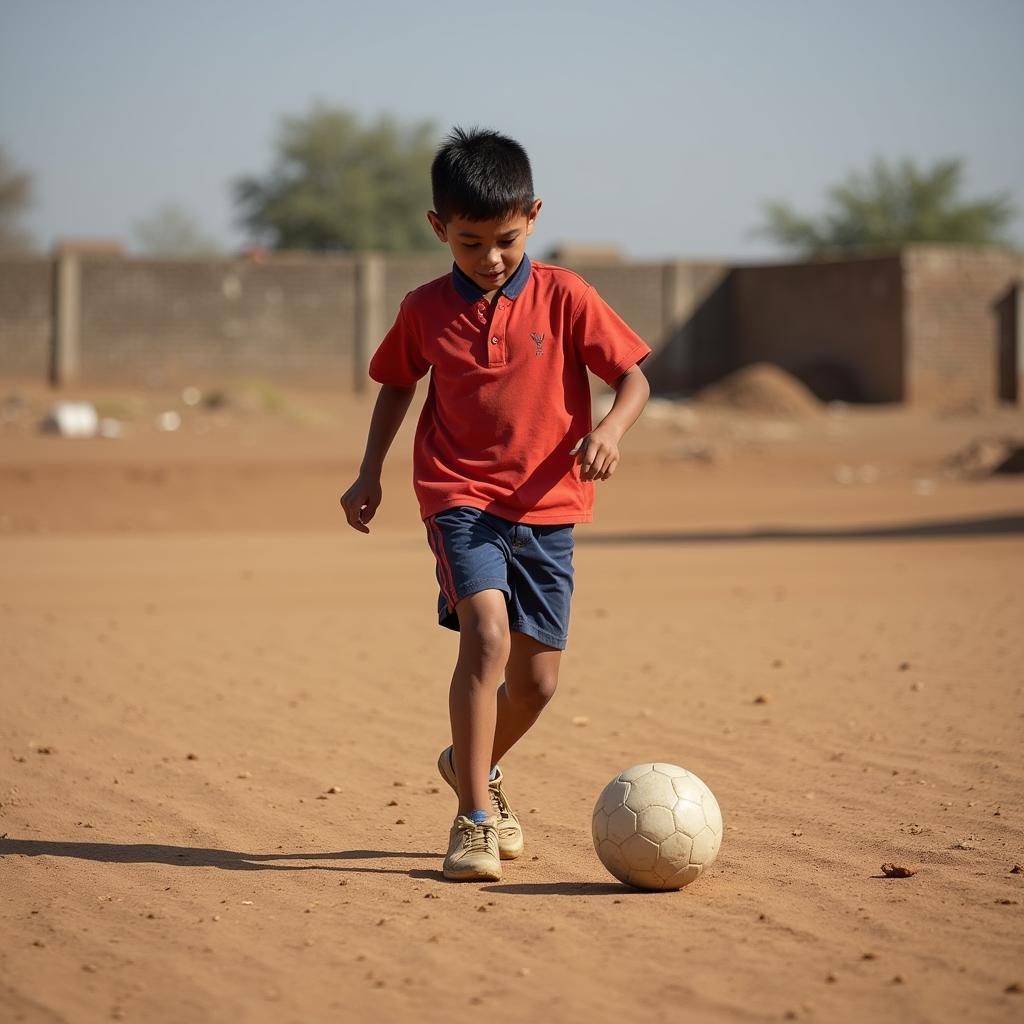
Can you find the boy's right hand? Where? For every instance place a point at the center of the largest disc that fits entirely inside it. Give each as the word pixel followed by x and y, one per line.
pixel 361 501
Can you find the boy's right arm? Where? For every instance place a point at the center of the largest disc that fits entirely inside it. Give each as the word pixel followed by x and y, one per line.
pixel 362 499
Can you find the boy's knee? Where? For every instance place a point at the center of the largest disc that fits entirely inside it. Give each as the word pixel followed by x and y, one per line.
pixel 486 639
pixel 537 690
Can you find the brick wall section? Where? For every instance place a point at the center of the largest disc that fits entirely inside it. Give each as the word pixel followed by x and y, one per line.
pixel 26 316
pixel 164 321
pixel 950 324
pixel 837 325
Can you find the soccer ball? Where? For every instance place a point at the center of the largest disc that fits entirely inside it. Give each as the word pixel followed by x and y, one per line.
pixel 657 826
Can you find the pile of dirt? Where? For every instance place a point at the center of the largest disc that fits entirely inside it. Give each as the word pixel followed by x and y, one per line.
pixel 762 389
pixel 986 456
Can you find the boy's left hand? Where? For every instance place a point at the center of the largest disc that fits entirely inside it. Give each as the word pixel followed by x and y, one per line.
pixel 598 454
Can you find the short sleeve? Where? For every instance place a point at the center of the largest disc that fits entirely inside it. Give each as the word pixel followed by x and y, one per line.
pixel 606 343
pixel 399 358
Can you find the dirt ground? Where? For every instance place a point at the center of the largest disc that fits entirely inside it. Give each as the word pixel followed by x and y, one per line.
pixel 220 710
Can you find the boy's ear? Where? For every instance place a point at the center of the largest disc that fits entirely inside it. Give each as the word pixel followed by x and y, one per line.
pixel 438 225
pixel 531 217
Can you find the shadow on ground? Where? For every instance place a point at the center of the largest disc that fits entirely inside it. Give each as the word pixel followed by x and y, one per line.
pixel 200 857
pixel 989 526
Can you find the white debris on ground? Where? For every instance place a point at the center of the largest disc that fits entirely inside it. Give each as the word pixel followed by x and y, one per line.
pixel 168 421
pixel 71 419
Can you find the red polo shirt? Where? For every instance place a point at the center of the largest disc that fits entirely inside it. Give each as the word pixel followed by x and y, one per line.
pixel 509 396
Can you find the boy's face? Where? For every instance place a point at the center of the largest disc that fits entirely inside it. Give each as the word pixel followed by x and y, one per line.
pixel 487 251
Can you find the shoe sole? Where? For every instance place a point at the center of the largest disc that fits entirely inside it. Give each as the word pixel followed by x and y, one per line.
pixel 443 767
pixel 473 876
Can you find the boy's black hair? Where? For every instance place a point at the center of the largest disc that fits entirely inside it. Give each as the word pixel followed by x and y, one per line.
pixel 481 175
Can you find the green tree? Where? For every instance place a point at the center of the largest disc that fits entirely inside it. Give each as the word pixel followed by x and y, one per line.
pixel 336 184
pixel 171 231
pixel 15 199
pixel 892 205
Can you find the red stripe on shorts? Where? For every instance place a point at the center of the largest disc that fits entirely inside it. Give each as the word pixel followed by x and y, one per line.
pixel 445 575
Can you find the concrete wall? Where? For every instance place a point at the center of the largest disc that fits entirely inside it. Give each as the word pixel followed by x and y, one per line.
pixel 921 324
pixel 837 325
pixel 296 318
pixel 952 323
pixel 158 322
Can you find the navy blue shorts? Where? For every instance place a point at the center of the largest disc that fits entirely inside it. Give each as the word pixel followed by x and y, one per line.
pixel 530 564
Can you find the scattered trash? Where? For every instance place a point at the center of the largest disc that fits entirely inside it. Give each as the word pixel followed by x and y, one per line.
pixel 580 720
pixel 168 421
pixel 72 419
pixel 191 396
pixel 986 456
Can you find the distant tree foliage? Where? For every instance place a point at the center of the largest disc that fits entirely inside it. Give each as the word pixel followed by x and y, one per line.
pixel 892 205
pixel 339 185
pixel 15 199
pixel 171 231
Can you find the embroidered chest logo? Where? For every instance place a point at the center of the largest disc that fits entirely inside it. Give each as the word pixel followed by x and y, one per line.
pixel 538 340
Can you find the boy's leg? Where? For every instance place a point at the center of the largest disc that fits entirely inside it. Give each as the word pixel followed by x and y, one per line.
pixel 484 650
pixel 531 676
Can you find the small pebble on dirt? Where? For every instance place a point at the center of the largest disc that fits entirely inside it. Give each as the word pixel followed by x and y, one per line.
pixel 897 870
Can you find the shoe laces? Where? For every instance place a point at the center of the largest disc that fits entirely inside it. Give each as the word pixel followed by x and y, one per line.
pixel 499 801
pixel 474 837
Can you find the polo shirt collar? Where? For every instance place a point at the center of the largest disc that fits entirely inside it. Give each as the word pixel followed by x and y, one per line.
pixel 471 291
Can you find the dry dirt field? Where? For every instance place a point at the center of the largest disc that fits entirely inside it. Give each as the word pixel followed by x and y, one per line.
pixel 220 710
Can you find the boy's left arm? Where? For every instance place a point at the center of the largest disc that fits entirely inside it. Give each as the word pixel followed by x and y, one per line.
pixel 598 452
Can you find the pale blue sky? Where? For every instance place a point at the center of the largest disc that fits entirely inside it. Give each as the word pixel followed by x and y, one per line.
pixel 657 126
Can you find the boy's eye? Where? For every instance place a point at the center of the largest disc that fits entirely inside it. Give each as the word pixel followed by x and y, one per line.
pixel 470 245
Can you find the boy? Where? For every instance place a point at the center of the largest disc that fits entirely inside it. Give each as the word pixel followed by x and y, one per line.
pixel 505 462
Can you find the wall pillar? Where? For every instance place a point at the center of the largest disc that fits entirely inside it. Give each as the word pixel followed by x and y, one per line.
pixel 65 355
pixel 369 315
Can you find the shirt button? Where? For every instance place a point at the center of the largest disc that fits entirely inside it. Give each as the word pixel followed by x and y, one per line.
pixel 494 340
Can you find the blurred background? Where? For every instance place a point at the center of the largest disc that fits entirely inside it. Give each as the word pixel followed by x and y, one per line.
pixel 662 129
pixel 197 192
